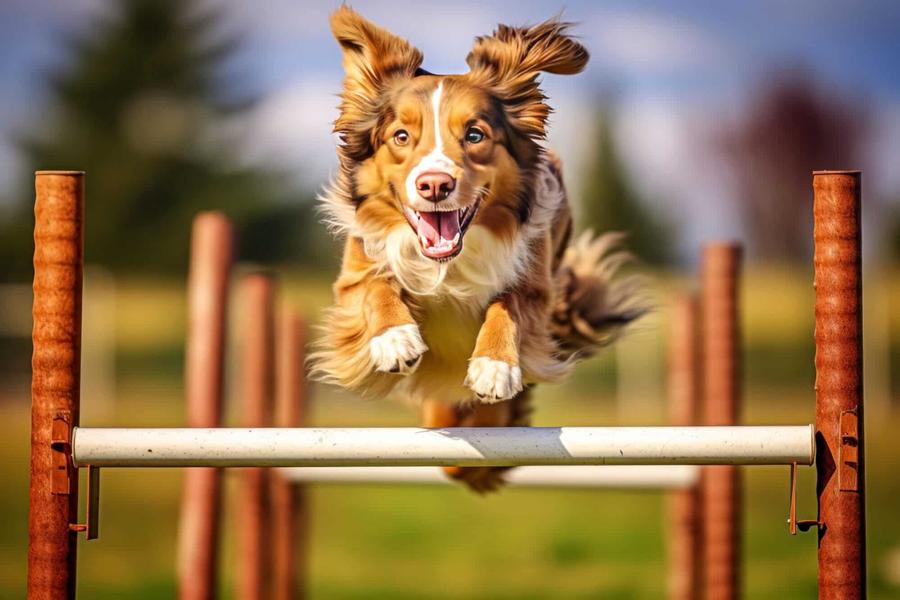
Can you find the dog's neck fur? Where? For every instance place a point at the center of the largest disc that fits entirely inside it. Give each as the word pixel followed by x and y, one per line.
pixel 487 264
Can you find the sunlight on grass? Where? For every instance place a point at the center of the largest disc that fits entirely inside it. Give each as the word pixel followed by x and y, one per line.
pixel 371 541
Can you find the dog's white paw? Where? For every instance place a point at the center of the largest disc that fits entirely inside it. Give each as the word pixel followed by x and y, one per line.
pixel 398 350
pixel 493 380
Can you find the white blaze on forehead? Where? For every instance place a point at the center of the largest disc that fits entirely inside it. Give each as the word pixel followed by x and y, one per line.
pixel 436 111
pixel 435 160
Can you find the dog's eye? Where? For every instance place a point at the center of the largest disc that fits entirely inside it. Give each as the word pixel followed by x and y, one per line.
pixel 401 137
pixel 474 135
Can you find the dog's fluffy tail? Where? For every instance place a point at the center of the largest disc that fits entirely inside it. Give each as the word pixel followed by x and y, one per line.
pixel 594 305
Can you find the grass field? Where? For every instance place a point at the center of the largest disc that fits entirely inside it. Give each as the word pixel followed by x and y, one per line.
pixel 414 542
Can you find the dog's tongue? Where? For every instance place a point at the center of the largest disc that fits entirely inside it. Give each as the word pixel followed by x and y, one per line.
pixel 429 224
pixel 436 227
pixel 439 233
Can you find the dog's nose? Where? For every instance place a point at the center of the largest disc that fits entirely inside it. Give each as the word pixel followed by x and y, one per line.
pixel 435 185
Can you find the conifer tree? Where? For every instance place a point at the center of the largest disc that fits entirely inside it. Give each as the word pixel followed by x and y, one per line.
pixel 139 106
pixel 610 201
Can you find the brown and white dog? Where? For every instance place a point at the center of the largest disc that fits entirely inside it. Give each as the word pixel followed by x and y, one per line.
pixel 459 289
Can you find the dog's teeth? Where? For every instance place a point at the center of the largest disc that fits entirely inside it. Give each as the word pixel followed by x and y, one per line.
pixel 455 239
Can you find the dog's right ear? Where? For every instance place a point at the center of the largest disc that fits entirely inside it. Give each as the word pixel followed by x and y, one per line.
pixel 373 57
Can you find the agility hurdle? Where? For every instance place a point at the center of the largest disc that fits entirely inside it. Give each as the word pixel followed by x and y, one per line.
pixel 451 446
pixel 286 505
pixel 287 574
pixel 838 451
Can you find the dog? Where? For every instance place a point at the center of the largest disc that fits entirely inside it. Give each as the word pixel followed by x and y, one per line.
pixel 459 287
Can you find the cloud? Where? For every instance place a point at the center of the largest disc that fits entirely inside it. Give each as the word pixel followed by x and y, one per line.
pixel 291 128
pixel 664 144
pixel 444 32
pixel 645 42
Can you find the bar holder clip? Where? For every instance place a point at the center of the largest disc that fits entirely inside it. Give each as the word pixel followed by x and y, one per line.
pixel 61 447
pixel 793 523
pixel 848 451
pixel 91 525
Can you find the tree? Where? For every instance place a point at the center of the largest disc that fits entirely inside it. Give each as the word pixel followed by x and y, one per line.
pixel 793 128
pixel 140 107
pixel 610 201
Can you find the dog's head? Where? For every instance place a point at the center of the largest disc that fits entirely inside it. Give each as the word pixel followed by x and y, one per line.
pixel 437 153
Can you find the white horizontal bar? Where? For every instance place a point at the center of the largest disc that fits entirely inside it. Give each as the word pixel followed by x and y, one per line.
pixel 649 477
pixel 411 446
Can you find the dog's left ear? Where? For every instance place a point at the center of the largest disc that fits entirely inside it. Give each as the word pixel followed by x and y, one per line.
pixel 373 57
pixel 510 60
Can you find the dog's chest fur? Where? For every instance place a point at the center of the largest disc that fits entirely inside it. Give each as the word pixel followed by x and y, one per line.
pixel 451 317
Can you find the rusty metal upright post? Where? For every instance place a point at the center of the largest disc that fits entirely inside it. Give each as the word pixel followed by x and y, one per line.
pixel 55 382
pixel 839 385
pixel 198 532
pixel 289 501
pixel 257 372
pixel 721 485
pixel 684 505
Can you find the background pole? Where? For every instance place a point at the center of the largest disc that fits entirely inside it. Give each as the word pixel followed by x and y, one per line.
pixel 55 382
pixel 198 532
pixel 684 504
pixel 253 555
pixel 839 385
pixel 290 529
pixel 721 485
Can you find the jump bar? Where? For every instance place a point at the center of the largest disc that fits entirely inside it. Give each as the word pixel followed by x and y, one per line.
pixel 647 477
pixel 410 446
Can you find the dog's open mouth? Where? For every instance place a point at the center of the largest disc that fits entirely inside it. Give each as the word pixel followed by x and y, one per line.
pixel 440 233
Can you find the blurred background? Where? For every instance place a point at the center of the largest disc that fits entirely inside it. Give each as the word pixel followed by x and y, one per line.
pixel 693 121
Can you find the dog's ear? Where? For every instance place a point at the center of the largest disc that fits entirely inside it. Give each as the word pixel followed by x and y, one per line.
pixel 509 62
pixel 373 57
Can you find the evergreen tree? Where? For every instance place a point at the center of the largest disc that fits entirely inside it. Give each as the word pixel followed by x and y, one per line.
pixel 610 202
pixel 140 107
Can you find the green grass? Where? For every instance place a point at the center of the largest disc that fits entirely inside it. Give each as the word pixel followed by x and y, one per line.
pixel 371 541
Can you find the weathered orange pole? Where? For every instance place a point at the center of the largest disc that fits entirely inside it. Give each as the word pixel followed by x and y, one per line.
pixel 198 532
pixel 289 502
pixel 840 456
pixel 721 485
pixel 257 369
pixel 55 382
pixel 684 393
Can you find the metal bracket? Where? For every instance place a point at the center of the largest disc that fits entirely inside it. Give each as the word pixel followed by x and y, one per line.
pixel 793 523
pixel 848 451
pixel 91 526
pixel 60 445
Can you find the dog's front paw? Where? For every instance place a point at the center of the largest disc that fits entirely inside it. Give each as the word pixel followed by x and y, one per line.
pixel 493 380
pixel 398 350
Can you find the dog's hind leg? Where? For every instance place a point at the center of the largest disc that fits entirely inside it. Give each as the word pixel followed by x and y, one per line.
pixel 509 413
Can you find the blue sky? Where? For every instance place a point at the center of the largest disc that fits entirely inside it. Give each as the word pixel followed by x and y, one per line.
pixel 679 70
